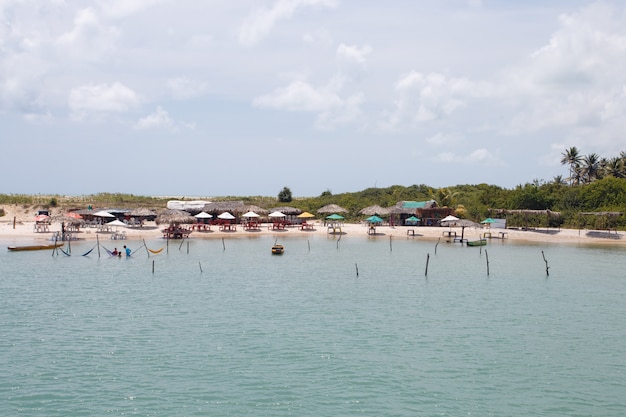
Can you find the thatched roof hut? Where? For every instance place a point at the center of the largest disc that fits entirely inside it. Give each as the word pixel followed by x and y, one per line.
pixel 251 207
pixel 331 208
pixel 170 216
pixel 219 207
pixel 289 211
pixel 141 212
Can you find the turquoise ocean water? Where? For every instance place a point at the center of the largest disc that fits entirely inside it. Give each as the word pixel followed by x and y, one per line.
pixel 224 328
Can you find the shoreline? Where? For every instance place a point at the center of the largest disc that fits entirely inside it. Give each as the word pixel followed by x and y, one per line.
pixel 23 233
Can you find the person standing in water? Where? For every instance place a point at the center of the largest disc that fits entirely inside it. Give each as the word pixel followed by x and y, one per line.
pixel 127 251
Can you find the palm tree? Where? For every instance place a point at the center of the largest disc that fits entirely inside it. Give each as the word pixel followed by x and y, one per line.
pixel 614 167
pixel 572 158
pixel 591 167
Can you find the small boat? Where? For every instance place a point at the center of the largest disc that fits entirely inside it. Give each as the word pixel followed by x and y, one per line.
pixel 35 247
pixel 278 249
pixel 479 242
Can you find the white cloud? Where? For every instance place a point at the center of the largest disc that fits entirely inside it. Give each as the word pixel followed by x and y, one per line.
pixel 183 88
pixel 425 97
pixel 319 37
pixel 158 120
pixel 479 156
pixel 576 81
pixel 89 37
pixel 353 53
pixel 161 120
pixel 126 8
pixel 102 98
pixel 443 140
pixel 300 96
pixel 261 22
pixel 326 101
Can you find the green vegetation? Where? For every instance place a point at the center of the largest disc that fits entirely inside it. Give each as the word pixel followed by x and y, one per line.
pixel 595 185
pixel 285 195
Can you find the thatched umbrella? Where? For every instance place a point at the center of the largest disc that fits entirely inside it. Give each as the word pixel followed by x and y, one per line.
pixel 141 212
pixel 251 207
pixel 289 211
pixel 171 216
pixel 331 208
pixel 375 210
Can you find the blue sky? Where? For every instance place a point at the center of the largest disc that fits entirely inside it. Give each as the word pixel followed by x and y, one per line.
pixel 214 98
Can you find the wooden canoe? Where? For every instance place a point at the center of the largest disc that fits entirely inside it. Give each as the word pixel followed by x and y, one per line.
pixel 479 242
pixel 35 247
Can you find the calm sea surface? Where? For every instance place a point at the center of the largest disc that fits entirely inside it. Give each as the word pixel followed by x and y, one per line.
pixel 218 328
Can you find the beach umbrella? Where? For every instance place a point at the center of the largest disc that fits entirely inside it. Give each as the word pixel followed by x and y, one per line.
pixel 331 208
pixel 117 223
pixel 250 214
pixel 103 213
pixel 286 210
pixel 226 216
pixel 375 210
pixel 276 214
pixel 251 207
pixel 171 216
pixel 203 215
pixel 335 216
pixel 65 219
pixel 305 215
pixel 449 219
pixel 412 220
pixel 374 219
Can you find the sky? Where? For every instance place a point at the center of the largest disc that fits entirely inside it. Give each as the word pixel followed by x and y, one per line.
pixel 242 98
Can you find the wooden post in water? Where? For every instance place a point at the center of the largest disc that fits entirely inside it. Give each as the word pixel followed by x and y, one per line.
pixel 223 244
pixel 187 246
pixel 357 269
pixel 199 263
pixel 153 266
pixel 437 245
pixel 487 257
pixel 309 243
pixel 427 259
pixel 146 246
pixel 98 242
pixel 547 267
pixel 390 247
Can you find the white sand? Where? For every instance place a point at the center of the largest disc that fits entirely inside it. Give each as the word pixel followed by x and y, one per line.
pixel 23 232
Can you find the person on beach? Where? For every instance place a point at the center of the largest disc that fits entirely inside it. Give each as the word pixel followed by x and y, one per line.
pixel 127 251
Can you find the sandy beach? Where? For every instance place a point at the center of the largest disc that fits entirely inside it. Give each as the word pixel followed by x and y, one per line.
pixel 22 231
